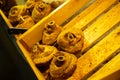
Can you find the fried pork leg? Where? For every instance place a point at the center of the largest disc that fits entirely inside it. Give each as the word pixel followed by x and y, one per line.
pixel 71 40
pixel 50 33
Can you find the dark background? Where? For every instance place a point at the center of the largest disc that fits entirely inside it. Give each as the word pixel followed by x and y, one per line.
pixel 13 65
pixel 7 68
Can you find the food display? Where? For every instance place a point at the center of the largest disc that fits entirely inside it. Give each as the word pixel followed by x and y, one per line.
pixel 55 54
pixel 28 14
pixel 59 61
pixel 59 44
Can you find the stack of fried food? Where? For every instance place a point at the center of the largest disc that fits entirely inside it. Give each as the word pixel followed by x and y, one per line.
pixel 27 15
pixel 57 51
pixel 55 55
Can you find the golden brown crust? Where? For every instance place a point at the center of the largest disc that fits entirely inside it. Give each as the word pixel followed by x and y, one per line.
pixel 30 5
pixel 40 10
pixel 42 53
pixel 50 33
pixel 16 12
pixel 55 4
pixel 25 22
pixel 62 65
pixel 71 40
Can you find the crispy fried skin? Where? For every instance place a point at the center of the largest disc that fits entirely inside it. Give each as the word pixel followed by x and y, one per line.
pixel 71 40
pixel 50 33
pixel 62 65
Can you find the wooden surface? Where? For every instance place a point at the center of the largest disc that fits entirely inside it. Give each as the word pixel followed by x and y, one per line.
pixel 91 13
pixel 108 70
pixel 101 26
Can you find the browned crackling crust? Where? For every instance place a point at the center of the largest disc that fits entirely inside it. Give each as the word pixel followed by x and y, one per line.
pixel 71 40
pixel 16 12
pixel 42 53
pixel 25 22
pixel 62 65
pixel 50 33
pixel 40 10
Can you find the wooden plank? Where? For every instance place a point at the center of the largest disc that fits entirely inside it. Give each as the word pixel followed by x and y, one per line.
pixel 59 15
pixel 109 68
pixel 93 58
pixel 101 26
pixel 113 76
pixel 88 15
